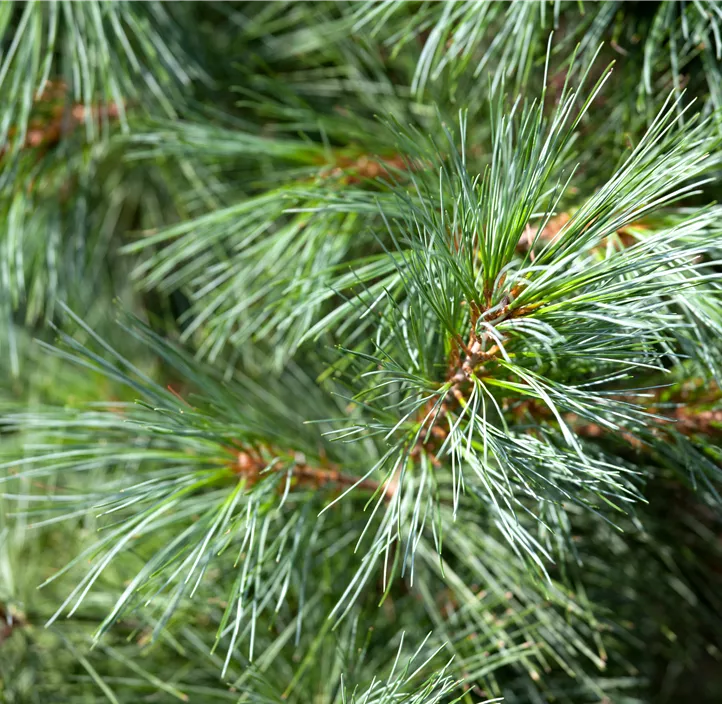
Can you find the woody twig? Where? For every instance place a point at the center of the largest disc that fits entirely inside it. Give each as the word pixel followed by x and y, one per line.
pixel 252 464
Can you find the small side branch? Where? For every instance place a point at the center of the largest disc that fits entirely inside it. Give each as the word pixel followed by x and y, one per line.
pixel 252 466
pixel 53 117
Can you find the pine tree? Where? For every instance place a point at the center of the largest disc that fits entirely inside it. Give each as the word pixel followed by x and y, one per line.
pixel 360 352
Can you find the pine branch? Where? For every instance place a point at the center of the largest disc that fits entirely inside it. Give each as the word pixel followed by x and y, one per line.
pixel 56 119
pixel 53 42
pixel 251 465
pixel 424 408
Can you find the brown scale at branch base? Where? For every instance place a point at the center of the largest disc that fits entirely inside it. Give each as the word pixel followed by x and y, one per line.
pixel 55 118
pixel 9 623
pixel 352 171
pixel 475 349
pixel 251 465
pixel 460 372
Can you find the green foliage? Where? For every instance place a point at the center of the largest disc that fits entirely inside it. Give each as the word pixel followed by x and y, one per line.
pixel 100 51
pixel 360 352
